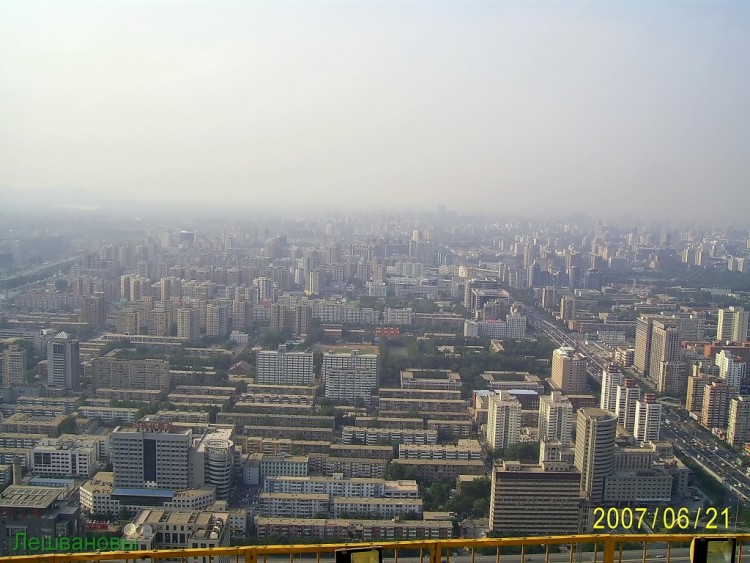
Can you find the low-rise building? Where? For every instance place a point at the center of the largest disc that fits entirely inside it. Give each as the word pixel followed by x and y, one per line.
pixel 67 456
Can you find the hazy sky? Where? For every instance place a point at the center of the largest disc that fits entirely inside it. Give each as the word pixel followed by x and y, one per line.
pixel 484 106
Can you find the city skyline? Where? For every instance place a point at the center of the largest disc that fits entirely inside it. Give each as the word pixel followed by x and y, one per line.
pixel 546 108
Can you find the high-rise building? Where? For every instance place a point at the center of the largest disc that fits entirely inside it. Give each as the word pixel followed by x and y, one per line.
pixel 150 454
pixel 548 298
pixel 628 394
pixel 302 318
pixel 283 368
pixel 568 371
pixel 731 368
pixel 643 334
pixel 555 418
pixel 716 399
pixel 314 282
pixel 216 320
pixel 503 420
pixel 664 361
pixel 647 419
pixel 188 324
pixel 695 390
pixel 567 307
pixel 241 314
pixel 63 362
pixel 733 323
pixel 14 365
pixel 348 377
pixel 596 431
pixel 738 428
pixel 611 380
pixel 542 499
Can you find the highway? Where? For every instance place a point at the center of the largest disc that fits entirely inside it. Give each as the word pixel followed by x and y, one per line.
pixel 692 441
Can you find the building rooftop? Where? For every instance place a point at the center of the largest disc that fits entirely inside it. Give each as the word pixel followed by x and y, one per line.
pixel 23 496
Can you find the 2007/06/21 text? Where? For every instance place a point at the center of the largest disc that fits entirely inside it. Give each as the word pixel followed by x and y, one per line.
pixel 668 518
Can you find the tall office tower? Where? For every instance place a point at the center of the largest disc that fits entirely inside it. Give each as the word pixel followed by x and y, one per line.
pixel 283 368
pixel 349 377
pixel 738 427
pixel 302 318
pixel 216 320
pixel 647 419
pixel 732 325
pixel 716 399
pixel 731 368
pixel 63 362
pixel 188 324
pixel 567 307
pixel 503 420
pixel 14 365
pixel 542 499
pixel 611 380
pixel 628 394
pixel 555 417
pixel 113 373
pixel 665 347
pixel 643 333
pixel 596 430
pixel 150 454
pixel 568 371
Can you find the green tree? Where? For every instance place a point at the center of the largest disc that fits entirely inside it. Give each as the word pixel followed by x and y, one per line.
pixel 68 425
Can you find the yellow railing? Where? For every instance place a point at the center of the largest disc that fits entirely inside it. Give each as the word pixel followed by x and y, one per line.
pixel 608 548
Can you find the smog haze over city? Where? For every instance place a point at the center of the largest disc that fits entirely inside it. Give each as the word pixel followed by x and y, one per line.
pixel 288 272
pixel 604 108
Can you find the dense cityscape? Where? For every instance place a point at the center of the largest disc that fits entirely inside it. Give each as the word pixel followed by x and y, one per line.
pixel 369 377
pixel 374 281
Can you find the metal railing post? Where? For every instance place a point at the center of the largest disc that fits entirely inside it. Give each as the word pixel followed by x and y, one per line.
pixel 435 552
pixel 608 556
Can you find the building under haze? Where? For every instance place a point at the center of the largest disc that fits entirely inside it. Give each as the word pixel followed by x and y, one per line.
pixel 596 430
pixel 63 362
pixel 732 325
pixel 14 365
pixel 568 371
pixel 503 420
pixel 555 418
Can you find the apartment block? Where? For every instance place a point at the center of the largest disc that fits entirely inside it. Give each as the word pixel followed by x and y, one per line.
pixel 535 499
pixel 284 368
